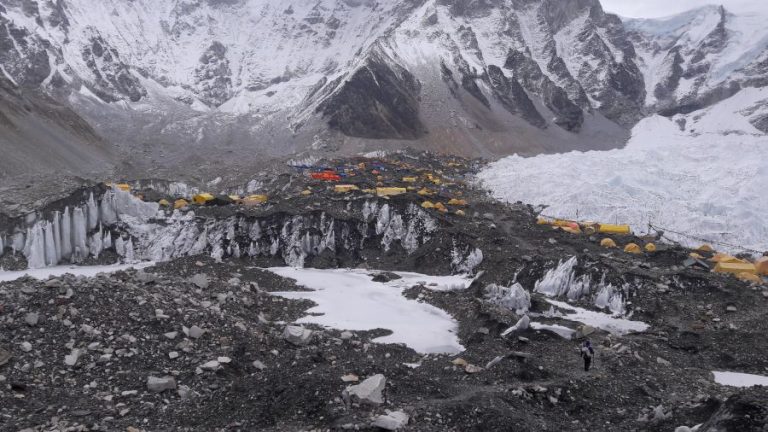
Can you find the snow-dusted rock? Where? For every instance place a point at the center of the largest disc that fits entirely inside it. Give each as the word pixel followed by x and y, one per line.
pixel 369 391
pixel 391 421
pixel 297 335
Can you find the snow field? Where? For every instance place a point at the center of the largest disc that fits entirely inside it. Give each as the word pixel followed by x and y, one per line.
pixel 350 300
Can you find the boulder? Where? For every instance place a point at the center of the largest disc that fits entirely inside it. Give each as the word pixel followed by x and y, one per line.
pixel 521 325
pixel 200 280
pixel 159 385
pixel 391 421
pixel 369 391
pixel 297 335
pixel 32 319
pixel 72 358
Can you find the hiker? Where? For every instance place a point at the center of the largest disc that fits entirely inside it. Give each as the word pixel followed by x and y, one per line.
pixel 587 352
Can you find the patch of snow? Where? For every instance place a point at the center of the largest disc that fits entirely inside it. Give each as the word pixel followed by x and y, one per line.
pixel 350 300
pixel 433 283
pixel 562 331
pixel 736 379
pixel 609 323
pixel 87 271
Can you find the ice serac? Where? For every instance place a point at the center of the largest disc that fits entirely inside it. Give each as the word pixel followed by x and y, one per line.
pixel 73 238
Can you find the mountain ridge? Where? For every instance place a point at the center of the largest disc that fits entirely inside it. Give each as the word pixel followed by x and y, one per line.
pixel 184 80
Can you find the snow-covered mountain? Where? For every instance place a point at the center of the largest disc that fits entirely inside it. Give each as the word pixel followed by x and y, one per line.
pixel 696 59
pixel 177 82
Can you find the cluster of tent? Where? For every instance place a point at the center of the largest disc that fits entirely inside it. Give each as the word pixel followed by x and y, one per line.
pixel 744 269
pixel 410 179
pixel 588 228
pixel 201 199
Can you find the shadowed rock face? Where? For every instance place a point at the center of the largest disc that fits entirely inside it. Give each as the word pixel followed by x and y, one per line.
pixel 513 97
pixel 743 412
pixel 380 100
pixel 568 115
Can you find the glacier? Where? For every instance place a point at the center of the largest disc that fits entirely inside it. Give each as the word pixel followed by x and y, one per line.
pixel 702 175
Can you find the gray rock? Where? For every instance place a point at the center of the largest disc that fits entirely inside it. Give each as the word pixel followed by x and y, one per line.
pixel 472 369
pixel 259 365
pixel 392 420
pixel 159 385
pixel 72 358
pixel 200 280
pixel 521 325
pixel 211 365
pixel 347 335
pixel 145 278
pixel 731 308
pixel 662 361
pixel 184 392
pixel 32 319
pixel 26 346
pixel 194 332
pixel 369 391
pixel 297 335
pixel 53 283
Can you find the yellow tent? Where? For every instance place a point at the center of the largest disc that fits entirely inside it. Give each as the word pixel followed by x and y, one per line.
pixel 410 179
pixel 705 248
pixel 252 200
pixel 306 192
pixel 345 188
pixel 761 265
pixel 202 198
pixel 460 213
pixel 725 258
pixel 633 249
pixel 235 198
pixel 749 277
pixel 427 205
pixel 735 268
pixel 614 229
pixel 608 243
pixel 457 202
pixel 571 229
pixel 425 192
pixel 390 191
pixel 164 203
pixel 650 247
pixel 441 207
pixel 180 203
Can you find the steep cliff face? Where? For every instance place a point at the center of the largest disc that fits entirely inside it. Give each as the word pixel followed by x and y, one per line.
pixel 483 78
pixel 696 59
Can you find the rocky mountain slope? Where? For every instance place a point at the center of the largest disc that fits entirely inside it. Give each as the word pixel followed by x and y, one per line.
pixel 39 134
pixel 178 83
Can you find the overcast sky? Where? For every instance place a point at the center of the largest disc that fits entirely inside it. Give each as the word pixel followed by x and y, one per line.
pixel 660 8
